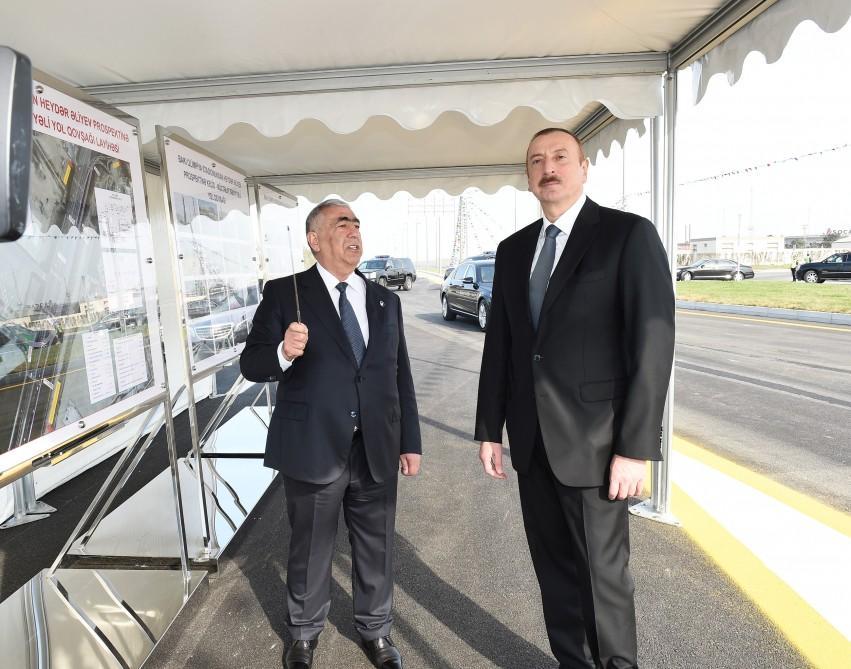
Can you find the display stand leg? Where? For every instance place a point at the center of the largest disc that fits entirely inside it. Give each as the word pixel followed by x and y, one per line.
pixel 27 508
pixel 178 499
pixel 95 507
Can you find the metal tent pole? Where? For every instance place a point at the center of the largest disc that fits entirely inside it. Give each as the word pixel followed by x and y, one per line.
pixel 663 185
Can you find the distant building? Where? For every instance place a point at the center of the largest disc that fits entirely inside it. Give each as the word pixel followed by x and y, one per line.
pixel 804 241
pixel 750 249
pixel 843 244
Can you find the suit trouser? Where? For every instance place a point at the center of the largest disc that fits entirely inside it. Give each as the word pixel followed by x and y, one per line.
pixel 369 509
pixel 579 542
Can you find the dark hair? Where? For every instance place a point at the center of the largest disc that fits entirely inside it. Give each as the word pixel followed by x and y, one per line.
pixel 549 131
pixel 314 213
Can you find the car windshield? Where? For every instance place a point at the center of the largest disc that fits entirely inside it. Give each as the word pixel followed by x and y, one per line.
pixel 486 272
pixel 372 264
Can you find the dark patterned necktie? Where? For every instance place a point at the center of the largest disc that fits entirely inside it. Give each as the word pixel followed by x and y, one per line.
pixel 541 274
pixel 350 324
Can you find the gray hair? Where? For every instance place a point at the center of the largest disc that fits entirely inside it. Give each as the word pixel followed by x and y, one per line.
pixel 314 213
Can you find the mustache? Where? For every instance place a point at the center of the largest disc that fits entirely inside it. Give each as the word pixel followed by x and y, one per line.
pixel 549 180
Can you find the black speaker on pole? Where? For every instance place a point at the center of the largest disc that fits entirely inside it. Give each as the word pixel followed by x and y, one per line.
pixel 15 142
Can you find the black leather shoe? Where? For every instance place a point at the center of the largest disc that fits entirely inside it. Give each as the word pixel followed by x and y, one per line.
pixel 300 655
pixel 383 653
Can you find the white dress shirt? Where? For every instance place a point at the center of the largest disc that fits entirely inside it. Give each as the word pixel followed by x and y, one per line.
pixel 355 293
pixel 565 224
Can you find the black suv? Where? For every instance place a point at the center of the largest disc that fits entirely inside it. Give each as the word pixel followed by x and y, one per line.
pixel 387 271
pixel 837 266
pixel 467 290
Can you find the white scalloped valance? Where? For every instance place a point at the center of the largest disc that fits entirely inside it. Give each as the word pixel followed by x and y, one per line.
pixel 768 34
pixel 382 157
pixel 420 184
pixel 413 108
pixel 418 187
pixel 614 133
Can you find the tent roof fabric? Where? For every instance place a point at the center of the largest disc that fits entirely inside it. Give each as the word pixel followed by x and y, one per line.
pixel 91 43
pixel 382 96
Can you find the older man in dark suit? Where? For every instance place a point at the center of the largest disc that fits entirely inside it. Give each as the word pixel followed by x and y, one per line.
pixel 576 364
pixel 345 422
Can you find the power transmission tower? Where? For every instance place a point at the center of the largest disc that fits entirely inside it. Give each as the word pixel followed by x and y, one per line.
pixel 430 210
pixel 462 226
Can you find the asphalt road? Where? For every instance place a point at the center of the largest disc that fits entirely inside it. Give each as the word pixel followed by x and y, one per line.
pixel 786 275
pixel 772 275
pixel 771 395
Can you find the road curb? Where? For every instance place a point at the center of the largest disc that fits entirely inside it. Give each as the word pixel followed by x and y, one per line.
pixel 430 276
pixel 769 312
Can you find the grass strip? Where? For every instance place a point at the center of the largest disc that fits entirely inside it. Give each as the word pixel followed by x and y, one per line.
pixel 774 294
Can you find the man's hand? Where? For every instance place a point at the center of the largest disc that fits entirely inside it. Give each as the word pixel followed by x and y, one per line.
pixel 409 463
pixel 295 341
pixel 626 477
pixel 490 453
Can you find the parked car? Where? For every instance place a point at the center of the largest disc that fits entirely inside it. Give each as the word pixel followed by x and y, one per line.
pixel 226 321
pixel 715 268
pixel 468 289
pixel 836 266
pixel 387 271
pixel 484 255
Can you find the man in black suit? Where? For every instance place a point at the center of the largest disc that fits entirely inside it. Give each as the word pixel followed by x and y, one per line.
pixel 576 363
pixel 345 422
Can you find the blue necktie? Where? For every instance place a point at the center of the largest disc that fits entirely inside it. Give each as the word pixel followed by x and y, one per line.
pixel 541 274
pixel 350 324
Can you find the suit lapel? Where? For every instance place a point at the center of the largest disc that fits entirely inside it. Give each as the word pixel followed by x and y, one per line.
pixel 583 233
pixel 376 315
pixel 318 301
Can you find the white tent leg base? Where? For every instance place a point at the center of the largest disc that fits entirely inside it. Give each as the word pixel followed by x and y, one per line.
pixel 647 510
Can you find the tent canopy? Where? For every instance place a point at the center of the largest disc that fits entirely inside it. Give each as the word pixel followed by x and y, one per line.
pixel 389 95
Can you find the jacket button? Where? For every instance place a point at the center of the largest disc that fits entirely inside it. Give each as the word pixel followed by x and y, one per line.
pixel 358 378
pixel 353 414
pixel 537 358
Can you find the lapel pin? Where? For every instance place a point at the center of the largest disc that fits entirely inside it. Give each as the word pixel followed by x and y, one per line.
pixel 380 303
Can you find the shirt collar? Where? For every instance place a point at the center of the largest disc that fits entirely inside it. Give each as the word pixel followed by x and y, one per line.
pixel 566 221
pixel 331 281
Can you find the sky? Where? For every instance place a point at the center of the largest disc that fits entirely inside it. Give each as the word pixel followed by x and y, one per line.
pixel 770 135
pixel 779 122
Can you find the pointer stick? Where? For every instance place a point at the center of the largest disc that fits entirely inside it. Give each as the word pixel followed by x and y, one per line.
pixel 295 286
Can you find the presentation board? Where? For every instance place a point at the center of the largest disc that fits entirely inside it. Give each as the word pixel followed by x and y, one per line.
pixel 79 329
pixel 216 249
pixel 282 234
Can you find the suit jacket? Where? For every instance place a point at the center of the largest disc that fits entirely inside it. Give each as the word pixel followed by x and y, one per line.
pixel 595 375
pixel 310 434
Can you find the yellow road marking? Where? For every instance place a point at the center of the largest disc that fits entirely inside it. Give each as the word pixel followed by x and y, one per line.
pixel 836 520
pixel 820 642
pixel 54 402
pixel 767 321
